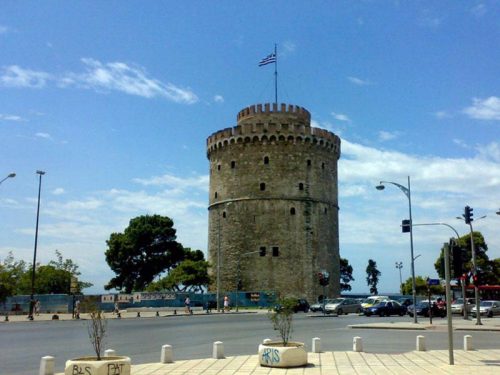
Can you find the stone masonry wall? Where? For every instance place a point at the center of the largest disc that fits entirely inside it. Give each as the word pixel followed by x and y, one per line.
pixel 273 184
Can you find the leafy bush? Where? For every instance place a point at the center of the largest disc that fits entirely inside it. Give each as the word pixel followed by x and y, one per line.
pixel 282 318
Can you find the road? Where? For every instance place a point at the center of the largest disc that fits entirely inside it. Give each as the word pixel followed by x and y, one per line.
pixel 23 344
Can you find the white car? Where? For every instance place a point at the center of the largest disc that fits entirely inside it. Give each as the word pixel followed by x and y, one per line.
pixel 457 307
pixel 488 308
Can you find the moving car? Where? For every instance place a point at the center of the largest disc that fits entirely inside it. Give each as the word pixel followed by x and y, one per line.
pixel 422 309
pixel 373 300
pixel 341 306
pixel 488 308
pixel 386 308
pixel 457 307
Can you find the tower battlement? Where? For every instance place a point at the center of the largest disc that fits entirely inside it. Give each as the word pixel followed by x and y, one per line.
pixel 266 124
pixel 290 111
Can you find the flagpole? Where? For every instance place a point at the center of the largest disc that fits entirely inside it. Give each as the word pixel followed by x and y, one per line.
pixel 275 75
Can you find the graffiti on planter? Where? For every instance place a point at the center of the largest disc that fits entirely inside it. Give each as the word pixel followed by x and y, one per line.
pixel 271 356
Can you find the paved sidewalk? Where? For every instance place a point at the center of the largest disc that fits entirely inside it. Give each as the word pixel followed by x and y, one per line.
pixel 329 363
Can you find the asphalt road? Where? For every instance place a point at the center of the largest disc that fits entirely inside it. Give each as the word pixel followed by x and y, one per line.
pixel 23 344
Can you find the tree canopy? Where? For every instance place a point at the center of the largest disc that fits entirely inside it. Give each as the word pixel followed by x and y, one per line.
pixel 54 277
pixel 372 275
pixel 345 274
pixel 487 269
pixel 420 287
pixel 145 249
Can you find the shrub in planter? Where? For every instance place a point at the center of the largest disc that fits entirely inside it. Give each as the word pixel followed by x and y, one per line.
pixel 283 353
pixel 98 365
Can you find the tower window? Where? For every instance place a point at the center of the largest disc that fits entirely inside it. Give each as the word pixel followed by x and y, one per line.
pixel 262 251
pixel 301 186
pixel 224 214
pixel 276 251
pixel 233 164
pixel 262 186
pixel 218 167
pixel 322 165
pixel 326 210
pixel 266 159
pixel 292 211
pixel 309 162
pixel 215 195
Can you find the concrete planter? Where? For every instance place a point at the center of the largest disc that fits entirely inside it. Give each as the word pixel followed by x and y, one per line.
pixel 274 354
pixel 118 365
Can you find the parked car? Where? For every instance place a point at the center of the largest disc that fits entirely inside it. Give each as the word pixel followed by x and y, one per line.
pixel 422 309
pixel 341 306
pixel 373 300
pixel 405 301
pixel 488 308
pixel 300 305
pixel 318 306
pixel 457 307
pixel 386 308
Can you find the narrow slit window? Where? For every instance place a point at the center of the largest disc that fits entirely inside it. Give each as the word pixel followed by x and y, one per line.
pixel 276 251
pixel 266 159
pixel 309 162
pixel 215 195
pixel 326 210
pixel 301 186
pixel 322 165
pixel 262 186
pixel 218 167
pixel 262 251
pixel 233 164
pixel 292 211
pixel 224 214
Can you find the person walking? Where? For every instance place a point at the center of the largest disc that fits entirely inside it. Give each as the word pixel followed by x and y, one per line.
pixel 187 304
pixel 77 309
pixel 37 307
pixel 226 303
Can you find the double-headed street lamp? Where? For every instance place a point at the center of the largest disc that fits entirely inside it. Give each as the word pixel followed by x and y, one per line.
pixel 399 265
pixel 32 302
pixel 407 192
pixel 10 175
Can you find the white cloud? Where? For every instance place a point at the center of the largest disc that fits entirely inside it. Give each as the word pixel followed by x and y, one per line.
pixel 484 109
pixel 479 10
pixel 218 99
pixel 288 48
pixel 489 152
pixel 117 76
pixel 387 136
pixel 442 114
pixel 58 191
pixel 131 80
pixel 16 118
pixel 341 117
pixel 461 143
pixel 200 182
pixel 15 76
pixel 43 135
pixel 358 81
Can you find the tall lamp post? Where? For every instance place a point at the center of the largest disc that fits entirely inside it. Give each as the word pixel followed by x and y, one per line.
pixel 399 265
pixel 10 175
pixel 32 302
pixel 224 205
pixel 407 192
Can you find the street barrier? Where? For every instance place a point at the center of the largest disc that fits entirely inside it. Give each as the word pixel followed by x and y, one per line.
pixel 316 345
pixel 468 343
pixel 421 343
pixel 47 365
pixel 167 355
pixel 218 350
pixel 357 344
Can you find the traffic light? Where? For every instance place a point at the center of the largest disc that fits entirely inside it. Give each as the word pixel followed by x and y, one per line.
pixel 323 278
pixel 405 226
pixel 468 214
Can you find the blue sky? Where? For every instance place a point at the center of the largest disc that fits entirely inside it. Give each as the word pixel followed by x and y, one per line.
pixel 115 100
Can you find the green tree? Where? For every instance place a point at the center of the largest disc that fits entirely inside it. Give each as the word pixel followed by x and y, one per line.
pixel 188 276
pixel 420 287
pixel 345 274
pixel 11 272
pixel 372 275
pixel 485 267
pixel 144 250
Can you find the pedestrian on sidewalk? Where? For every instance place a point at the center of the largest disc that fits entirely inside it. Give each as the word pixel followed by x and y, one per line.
pixel 77 309
pixel 37 307
pixel 226 303
pixel 187 304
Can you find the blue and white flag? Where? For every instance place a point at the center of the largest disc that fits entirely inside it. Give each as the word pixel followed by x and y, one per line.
pixel 268 59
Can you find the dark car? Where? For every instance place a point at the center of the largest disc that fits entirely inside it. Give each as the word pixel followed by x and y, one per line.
pixel 300 305
pixel 386 308
pixel 422 309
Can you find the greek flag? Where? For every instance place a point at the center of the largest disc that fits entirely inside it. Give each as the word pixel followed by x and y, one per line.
pixel 268 59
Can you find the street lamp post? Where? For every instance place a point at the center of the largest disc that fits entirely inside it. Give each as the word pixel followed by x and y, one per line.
pixel 407 192
pixel 10 175
pixel 32 302
pixel 227 204
pixel 399 265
